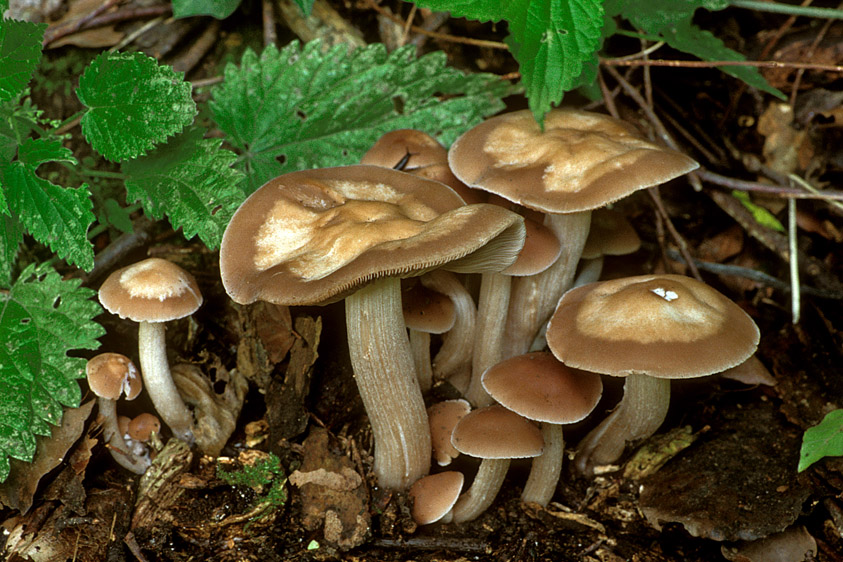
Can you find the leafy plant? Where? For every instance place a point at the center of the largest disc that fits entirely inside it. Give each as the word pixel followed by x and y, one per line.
pixel 822 440
pixel 265 477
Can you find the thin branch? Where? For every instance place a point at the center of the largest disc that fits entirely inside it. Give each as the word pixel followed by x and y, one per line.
pixel 795 301
pixel 717 63
pixel 780 8
pixel 778 190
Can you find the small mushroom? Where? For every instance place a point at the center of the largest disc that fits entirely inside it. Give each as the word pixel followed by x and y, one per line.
pixel 443 416
pixel 610 235
pixel 495 435
pixel 434 496
pixel 649 329
pixel 110 376
pixel 426 312
pixel 152 292
pixel 540 388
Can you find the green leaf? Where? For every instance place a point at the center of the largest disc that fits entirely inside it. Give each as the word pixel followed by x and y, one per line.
pixel 42 318
pixel 823 440
pixel 56 216
pixel 219 9
pixel 133 104
pixel 306 6
pixel 11 237
pixel 18 120
pixel 192 181
pixel 304 108
pixel 117 216
pixel 20 53
pixel 671 20
pixel 761 215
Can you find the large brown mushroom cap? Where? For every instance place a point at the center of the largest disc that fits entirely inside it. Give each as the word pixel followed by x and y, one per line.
pixel 664 326
pixel 152 290
pixel 539 387
pixel 315 236
pixel 580 162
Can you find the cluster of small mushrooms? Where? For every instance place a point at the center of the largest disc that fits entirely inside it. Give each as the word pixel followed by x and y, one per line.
pixel 513 204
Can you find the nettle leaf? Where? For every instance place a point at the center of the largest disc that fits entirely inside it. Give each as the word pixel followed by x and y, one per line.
pixel 823 440
pixel 11 237
pixel 192 181
pixel 301 108
pixel 56 216
pixel 671 20
pixel 133 104
pixel 20 53
pixel 42 318
pixel 219 9
pixel 554 41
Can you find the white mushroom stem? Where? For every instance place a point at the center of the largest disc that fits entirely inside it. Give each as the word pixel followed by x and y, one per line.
pixel 534 298
pixel 386 378
pixel 454 357
pixel 485 487
pixel 152 349
pixel 546 468
pixel 420 345
pixel 639 414
pixel 117 446
pixel 589 271
pixel 493 304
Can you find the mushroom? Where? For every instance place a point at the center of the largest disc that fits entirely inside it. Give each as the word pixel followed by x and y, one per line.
pixel 443 416
pixel 317 236
pixel 495 435
pixel 540 388
pixel 579 162
pixel 610 235
pixel 111 375
pixel 152 292
pixel 434 495
pixel 426 312
pixel 649 329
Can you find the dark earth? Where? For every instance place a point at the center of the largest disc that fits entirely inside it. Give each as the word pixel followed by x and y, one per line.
pixel 718 481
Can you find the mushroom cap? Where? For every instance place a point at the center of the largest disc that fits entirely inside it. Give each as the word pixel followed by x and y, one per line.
pixel 152 290
pixel 664 326
pixel 111 375
pixel 142 426
pixel 417 147
pixel 435 495
pixel 427 310
pixel 580 162
pixel 442 417
pixel 315 236
pixel 610 235
pixel 497 433
pixel 539 387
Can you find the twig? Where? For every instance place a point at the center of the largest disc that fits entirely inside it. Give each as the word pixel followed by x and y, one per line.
pixel 270 37
pixel 805 184
pixel 778 190
pixel 680 241
pixel 797 80
pixel 457 544
pixel 406 31
pixel 716 63
pixel 794 261
pixel 780 8
pixel 69 28
pixel 106 19
pixel 198 49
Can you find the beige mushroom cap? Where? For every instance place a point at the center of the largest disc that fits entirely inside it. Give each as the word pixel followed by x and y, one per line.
pixel 434 496
pixel 497 433
pixel 142 426
pixel 416 148
pixel 539 387
pixel 111 375
pixel 443 416
pixel 610 234
pixel 314 236
pixel 152 290
pixel 427 310
pixel 664 326
pixel 582 160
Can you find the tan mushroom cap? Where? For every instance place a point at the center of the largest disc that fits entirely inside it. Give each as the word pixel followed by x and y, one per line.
pixel 427 310
pixel 582 160
pixel 152 290
pixel 664 326
pixel 415 149
pixel 443 416
pixel 111 375
pixel 314 236
pixel 610 235
pixel 497 433
pixel 539 387
pixel 142 426
pixel 434 496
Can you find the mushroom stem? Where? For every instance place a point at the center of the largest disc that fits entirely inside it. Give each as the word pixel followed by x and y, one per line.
pixel 484 489
pixel 546 468
pixel 493 303
pixel 589 271
pixel 639 414
pixel 152 349
pixel 386 379
pixel 534 298
pixel 120 451
pixel 454 357
pixel 420 346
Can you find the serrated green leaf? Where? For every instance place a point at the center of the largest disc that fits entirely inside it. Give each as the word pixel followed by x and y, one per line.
pixel 219 9
pixel 117 216
pixel 4 5
pixel 192 181
pixel 20 53
pixel 671 20
pixel 301 108
pixel 56 216
pixel 761 215
pixel 42 318
pixel 133 104
pixel 822 440
pixel 18 120
pixel 11 238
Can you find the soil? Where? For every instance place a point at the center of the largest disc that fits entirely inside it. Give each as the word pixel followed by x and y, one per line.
pixel 721 472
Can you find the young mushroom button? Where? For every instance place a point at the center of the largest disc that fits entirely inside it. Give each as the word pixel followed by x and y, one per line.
pixel 318 236
pixel 649 329
pixel 152 292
